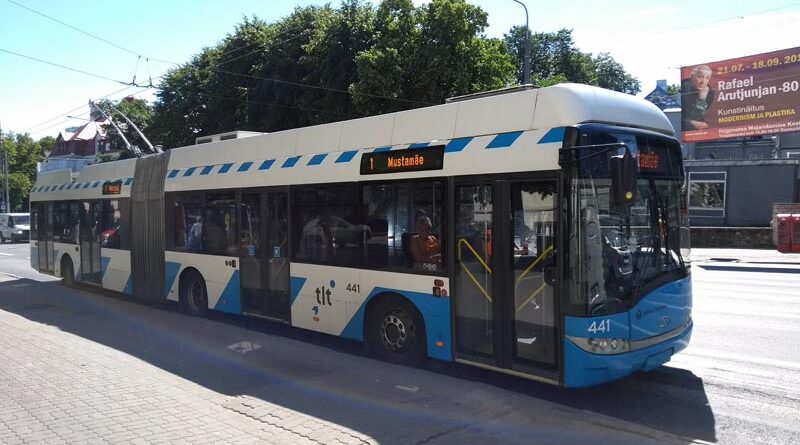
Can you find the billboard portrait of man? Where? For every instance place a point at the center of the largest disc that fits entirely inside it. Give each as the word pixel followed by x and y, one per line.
pixel 697 97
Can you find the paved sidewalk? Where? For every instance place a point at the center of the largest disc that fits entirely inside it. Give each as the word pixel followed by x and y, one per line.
pixel 757 256
pixel 76 367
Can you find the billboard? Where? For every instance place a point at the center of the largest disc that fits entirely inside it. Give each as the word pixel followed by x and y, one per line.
pixel 746 96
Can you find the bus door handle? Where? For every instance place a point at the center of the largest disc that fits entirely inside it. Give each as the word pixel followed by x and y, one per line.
pixel 550 275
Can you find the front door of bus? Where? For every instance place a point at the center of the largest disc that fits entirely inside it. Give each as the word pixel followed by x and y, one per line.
pixel 264 264
pixel 505 311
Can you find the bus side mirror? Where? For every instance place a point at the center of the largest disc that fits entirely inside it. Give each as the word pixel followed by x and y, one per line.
pixel 624 172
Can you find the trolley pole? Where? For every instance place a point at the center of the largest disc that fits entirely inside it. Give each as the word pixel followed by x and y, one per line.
pixel 526 70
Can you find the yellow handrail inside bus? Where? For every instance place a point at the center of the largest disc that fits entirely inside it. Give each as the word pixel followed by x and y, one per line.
pixel 534 294
pixel 469 274
pixel 533 263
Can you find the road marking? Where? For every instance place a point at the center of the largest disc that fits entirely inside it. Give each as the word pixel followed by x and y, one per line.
pixel 710 353
pixel 407 388
pixel 6 254
pixel 244 346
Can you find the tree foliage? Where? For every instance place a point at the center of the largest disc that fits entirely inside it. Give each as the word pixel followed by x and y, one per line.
pixel 23 154
pixel 321 64
pixel 555 59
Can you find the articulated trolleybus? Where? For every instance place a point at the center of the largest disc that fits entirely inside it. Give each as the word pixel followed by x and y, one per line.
pixel 536 232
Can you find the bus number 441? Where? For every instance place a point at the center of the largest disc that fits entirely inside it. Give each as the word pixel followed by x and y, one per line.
pixel 600 326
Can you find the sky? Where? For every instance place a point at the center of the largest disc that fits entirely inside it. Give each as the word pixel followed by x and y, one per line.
pixel 651 39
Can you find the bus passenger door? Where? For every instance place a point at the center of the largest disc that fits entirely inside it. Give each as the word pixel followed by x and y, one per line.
pixel 505 310
pixel 264 265
pixel 45 236
pixel 91 270
pixel 532 302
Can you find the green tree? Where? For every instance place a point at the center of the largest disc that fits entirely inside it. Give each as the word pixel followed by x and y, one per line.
pixel 321 64
pixel 23 154
pixel 673 89
pixel 555 59
pixel 424 55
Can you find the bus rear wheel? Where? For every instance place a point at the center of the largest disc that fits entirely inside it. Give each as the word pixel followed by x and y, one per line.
pixel 397 332
pixel 193 295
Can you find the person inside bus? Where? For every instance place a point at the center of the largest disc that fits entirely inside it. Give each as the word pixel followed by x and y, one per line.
pixel 195 240
pixel 425 247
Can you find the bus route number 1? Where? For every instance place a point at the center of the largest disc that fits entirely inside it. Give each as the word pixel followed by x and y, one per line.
pixel 601 326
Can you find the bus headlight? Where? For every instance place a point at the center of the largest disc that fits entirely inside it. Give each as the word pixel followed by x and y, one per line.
pixel 602 345
pixel 19 232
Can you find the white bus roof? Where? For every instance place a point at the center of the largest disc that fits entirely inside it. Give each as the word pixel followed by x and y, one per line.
pixel 516 120
pixel 551 107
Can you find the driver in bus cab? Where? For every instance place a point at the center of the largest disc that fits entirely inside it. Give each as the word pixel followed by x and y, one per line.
pixel 425 247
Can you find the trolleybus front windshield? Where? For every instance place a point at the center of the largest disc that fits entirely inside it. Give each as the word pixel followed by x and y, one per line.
pixel 619 253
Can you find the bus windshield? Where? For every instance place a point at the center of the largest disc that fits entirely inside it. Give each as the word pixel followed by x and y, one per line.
pixel 620 254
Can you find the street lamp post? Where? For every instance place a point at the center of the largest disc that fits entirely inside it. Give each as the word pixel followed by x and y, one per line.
pixel 526 73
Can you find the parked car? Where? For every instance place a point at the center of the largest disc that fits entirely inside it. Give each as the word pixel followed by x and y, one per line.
pixel 15 227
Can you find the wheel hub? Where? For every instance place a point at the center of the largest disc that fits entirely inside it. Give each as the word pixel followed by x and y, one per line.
pixel 394 332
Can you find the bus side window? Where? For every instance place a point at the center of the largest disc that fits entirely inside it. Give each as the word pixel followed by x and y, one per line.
pixel 392 212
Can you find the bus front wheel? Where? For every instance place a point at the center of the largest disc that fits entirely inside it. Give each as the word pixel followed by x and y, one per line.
pixel 193 295
pixel 396 332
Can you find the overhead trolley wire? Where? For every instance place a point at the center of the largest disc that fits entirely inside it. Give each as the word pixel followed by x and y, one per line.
pixel 89 34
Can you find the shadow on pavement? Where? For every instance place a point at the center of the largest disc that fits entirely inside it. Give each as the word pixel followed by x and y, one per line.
pixel 388 403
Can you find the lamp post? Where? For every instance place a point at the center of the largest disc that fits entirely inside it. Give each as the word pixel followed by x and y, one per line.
pixel 526 73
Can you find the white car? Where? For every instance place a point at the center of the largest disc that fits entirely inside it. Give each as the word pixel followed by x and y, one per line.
pixel 15 226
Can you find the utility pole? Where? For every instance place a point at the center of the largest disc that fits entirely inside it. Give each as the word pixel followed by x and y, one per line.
pixel 7 203
pixel 526 73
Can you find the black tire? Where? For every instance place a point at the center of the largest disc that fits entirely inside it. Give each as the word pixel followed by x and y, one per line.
pixel 193 294
pixel 396 332
pixel 2 238
pixel 67 272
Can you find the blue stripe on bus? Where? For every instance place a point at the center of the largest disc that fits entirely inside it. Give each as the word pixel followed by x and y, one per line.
pixel 206 170
pixel 290 162
pixel 224 168
pixel 244 167
pixel 346 156
pixel 62 186
pixel 435 313
pixel 171 269
pixel 418 145
pixel 380 149
pixel 69 186
pixel 295 285
pixel 552 135
pixel 457 145
pixel 128 289
pixel 230 300
pixel 266 164
pixel 173 173
pixel 86 186
pixel 317 159
pixel 189 171
pixel 104 260
pixel 504 140
pixel 128 181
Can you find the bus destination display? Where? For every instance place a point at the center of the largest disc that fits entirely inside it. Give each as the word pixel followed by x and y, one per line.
pixel 112 188
pixel 414 160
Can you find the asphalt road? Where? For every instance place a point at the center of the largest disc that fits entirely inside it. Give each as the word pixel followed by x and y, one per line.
pixel 135 368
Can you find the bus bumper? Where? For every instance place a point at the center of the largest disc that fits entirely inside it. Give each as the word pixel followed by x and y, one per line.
pixel 583 368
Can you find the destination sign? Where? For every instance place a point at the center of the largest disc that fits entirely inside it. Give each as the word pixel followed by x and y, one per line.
pixel 112 188
pixel 411 160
